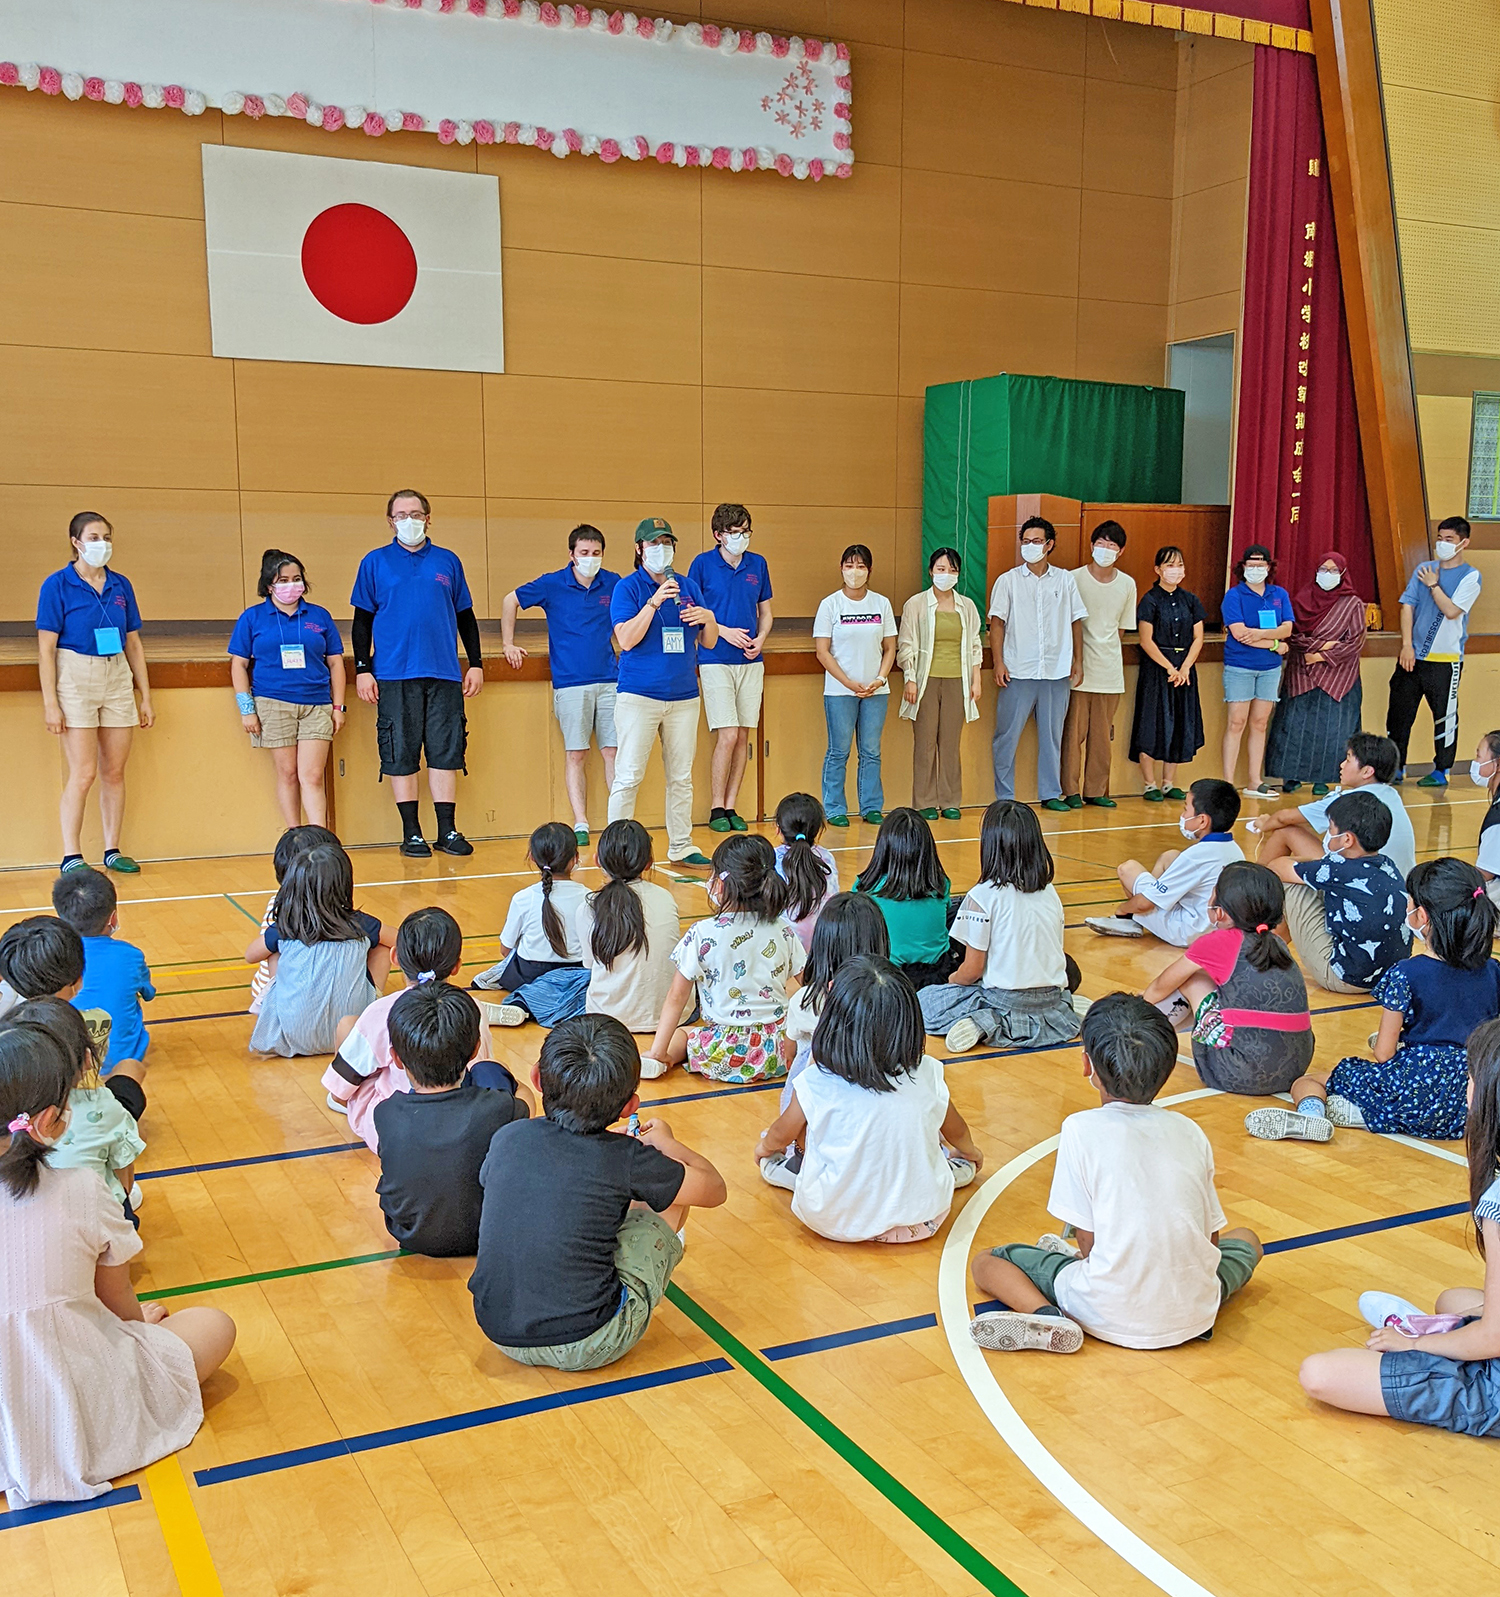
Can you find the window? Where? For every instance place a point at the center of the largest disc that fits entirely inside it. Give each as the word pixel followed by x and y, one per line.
pixel 1484 459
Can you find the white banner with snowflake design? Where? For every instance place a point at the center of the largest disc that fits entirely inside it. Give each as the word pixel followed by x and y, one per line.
pixel 568 79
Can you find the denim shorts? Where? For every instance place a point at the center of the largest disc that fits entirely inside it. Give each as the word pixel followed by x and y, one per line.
pixel 1241 683
pixel 1454 1394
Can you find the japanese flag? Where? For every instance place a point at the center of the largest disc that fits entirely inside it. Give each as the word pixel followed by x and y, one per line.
pixel 354 263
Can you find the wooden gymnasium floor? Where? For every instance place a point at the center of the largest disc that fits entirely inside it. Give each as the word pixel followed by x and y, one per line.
pixel 802 1417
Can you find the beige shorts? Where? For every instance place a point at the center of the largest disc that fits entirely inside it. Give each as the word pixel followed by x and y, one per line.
pixel 731 693
pixel 95 690
pixel 283 724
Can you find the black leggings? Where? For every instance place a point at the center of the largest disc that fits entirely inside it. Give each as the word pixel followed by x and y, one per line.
pixel 129 1093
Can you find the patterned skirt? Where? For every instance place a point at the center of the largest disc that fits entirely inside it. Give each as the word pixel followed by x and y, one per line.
pixel 738 1053
pixel 1422 1092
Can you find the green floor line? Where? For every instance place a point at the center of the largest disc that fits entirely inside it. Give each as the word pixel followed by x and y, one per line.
pixel 266 1275
pixel 187 992
pixel 938 1530
pixel 253 919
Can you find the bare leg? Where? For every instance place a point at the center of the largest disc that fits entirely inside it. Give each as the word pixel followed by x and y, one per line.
pixel 1460 1300
pixel 81 745
pixel 288 794
pixel 312 765
pixel 1236 715
pixel 131 1069
pixel 404 788
pixel 1128 871
pixel 442 785
pixel 1313 1085
pixel 342 1030
pixel 379 965
pixel 737 771
pixel 721 776
pixel 1008 1283
pixel 1347 1378
pixel 677 1049
pixel 1296 841
pixel 575 778
pixel 608 756
pixel 1195 989
pixel 208 1332
pixel 1260 719
pixel 114 751
pixel 1147 765
pixel 1168 775
pixel 1164 860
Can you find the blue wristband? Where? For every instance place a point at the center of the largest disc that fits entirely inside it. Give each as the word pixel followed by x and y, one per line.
pixel 246 703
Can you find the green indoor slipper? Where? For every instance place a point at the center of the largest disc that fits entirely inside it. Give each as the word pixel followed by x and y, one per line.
pixel 1153 795
pixel 1074 801
pixel 1057 804
pixel 1105 803
pixel 928 815
pixel 581 836
pixel 738 821
pixel 1176 794
pixel 695 858
pixel 953 815
pixel 114 860
pixel 838 820
pixel 873 817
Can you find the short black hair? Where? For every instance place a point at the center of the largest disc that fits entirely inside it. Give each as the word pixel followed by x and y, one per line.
pixel 408 493
pixel 1131 1046
pixel 1256 551
pixel 297 840
pixel 1165 553
pixel 1012 850
pixel 1110 530
pixel 1039 522
pixel 944 553
pixel 429 942
pixel 584 533
pixel 589 1069
pixel 727 517
pixel 271 563
pixel 1217 799
pixel 1364 815
pixel 434 1032
pixel 1376 752
pixel 85 899
pixel 859 552
pixel 1456 524
pixel 40 956
pixel 870 1032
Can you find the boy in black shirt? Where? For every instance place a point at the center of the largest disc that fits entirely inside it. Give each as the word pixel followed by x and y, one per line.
pixel 580 1228
pixel 434 1138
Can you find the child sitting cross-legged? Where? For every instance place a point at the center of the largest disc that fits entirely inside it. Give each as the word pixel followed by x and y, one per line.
pixel 1153 1263
pixel 581 1226
pixel 883 1146
pixel 434 1138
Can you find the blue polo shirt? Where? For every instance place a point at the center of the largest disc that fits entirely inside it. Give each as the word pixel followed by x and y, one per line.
pixel 732 593
pixel 648 669
pixel 415 595
pixel 1264 612
pixel 259 636
pixel 578 624
pixel 68 606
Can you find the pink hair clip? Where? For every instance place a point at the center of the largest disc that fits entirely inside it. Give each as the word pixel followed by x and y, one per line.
pixel 1479 892
pixel 22 1122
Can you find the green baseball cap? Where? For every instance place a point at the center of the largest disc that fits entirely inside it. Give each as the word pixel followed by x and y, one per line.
pixel 653 527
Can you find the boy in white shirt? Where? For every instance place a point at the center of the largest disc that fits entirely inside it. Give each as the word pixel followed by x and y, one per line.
pixel 1109 596
pixel 1171 899
pixel 1153 1262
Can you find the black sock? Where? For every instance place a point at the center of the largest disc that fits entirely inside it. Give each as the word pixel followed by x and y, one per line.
pixel 68 858
pixel 444 818
pixel 111 853
pixel 716 812
pixel 410 825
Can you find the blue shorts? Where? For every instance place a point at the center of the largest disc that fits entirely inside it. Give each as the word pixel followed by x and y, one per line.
pixel 1454 1394
pixel 1241 683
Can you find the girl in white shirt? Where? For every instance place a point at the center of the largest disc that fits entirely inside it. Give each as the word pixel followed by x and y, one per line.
pixel 539 934
pixel 1015 984
pixel 883 1147
pixel 627 931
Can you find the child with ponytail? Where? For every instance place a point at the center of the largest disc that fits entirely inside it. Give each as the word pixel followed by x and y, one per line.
pixel 627 931
pixel 810 873
pixel 92 1384
pixel 538 934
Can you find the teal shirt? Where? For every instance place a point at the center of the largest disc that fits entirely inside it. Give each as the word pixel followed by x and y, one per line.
pixel 918 928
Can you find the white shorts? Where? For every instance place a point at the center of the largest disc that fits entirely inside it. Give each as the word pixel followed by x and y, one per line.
pixel 95 690
pixel 731 693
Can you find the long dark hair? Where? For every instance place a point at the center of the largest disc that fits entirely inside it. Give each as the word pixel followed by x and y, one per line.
pixel 799 819
pixel 1460 913
pixel 315 903
pixel 624 855
pixel 905 863
pixel 1011 850
pixel 870 1032
pixel 553 849
pixel 271 563
pixel 850 925
pixel 297 840
pixel 66 1026
pixel 745 867
pixel 35 1074
pixel 1482 1128
pixel 1252 896
pixel 429 942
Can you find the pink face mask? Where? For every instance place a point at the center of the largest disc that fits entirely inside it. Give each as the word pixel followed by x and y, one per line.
pixel 287 592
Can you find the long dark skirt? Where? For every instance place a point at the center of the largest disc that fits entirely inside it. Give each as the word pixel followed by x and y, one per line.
pixel 1309 734
pixel 1168 722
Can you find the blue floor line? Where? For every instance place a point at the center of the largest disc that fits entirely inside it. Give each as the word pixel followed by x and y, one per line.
pixel 42 1512
pixel 259 1158
pixel 1364 1227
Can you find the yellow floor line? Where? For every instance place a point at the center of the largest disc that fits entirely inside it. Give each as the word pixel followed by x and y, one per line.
pixel 182 1531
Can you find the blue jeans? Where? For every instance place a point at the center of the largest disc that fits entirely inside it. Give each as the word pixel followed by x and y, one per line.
pixel 849 719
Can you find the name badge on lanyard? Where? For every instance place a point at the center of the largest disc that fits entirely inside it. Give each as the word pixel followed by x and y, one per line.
pixel 1269 621
pixel 107 641
pixel 293 657
pixel 673 640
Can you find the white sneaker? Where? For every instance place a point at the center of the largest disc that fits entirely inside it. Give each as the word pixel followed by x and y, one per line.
pixel 1382 1308
pixel 504 1014
pixel 963 1170
pixel 653 1069
pixel 1006 1332
pixel 963 1035
pixel 1052 1243
pixel 135 1196
pixel 774 1170
pixel 1286 1125
pixel 338 1106
pixel 1343 1113
pixel 1112 926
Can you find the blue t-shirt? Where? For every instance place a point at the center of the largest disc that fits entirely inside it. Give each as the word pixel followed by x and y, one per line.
pixel 1364 906
pixel 68 606
pixel 263 634
pixel 116 978
pixel 579 630
pixel 1435 636
pixel 649 669
pixel 1263 611
pixel 733 594
pixel 1442 1004
pixel 416 595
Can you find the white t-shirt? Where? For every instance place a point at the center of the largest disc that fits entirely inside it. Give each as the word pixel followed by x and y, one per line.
pixel 801 1019
pixel 1184 889
pixel 1111 607
pixel 1022 932
pixel 742 966
pixel 1142 1180
pixel 1401 848
pixel 522 932
pixel 856 630
pixel 635 987
pixel 872 1160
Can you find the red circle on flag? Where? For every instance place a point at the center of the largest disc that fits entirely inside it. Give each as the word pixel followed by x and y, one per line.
pixel 358 264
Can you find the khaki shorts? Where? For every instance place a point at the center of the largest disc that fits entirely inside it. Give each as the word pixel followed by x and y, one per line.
pixel 282 724
pixel 647 1250
pixel 731 693
pixel 95 690
pixel 584 713
pixel 1307 921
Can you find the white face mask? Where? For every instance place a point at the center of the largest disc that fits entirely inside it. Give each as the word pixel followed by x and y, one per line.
pixel 97 553
pixel 1329 579
pixel 656 557
pixel 1105 554
pixel 856 576
pixel 1031 553
pixel 1476 772
pixel 410 530
pixel 736 543
pixel 1186 829
pixel 1416 931
pixel 1173 574
pixel 587 566
pixel 1255 575
pixel 945 581
pixel 1329 850
pixel 1444 550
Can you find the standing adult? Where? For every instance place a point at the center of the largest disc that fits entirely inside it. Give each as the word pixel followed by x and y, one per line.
pixel 410 600
pixel 91 665
pixel 1321 698
pixel 1257 622
pixel 1168 724
pixel 660 621
pixel 1109 597
pixel 854 636
pixel 1435 607
pixel 940 649
pixel 736 585
pixel 1036 641
pixel 580 654
pixel 286 661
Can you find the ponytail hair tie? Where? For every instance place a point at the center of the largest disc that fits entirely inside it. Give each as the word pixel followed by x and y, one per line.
pixel 1262 927
pixel 801 837
pixel 426 976
pixel 1479 892
pixel 22 1122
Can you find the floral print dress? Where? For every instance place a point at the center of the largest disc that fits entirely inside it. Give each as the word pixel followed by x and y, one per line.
pixel 741 966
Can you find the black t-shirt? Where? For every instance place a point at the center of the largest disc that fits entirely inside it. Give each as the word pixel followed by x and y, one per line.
pixel 553 1203
pixel 1172 617
pixel 431 1148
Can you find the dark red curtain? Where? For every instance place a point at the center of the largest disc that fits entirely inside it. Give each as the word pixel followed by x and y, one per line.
pixel 1299 485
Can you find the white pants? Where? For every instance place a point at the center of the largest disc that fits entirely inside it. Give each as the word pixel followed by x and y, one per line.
pixel 638 720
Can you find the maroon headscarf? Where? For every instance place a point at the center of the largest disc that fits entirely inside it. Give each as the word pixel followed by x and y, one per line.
pixel 1330 622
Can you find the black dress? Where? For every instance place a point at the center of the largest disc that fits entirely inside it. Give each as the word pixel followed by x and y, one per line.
pixel 1168 723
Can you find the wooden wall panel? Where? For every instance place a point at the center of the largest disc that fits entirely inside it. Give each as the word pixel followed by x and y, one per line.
pixel 1124 53
pixel 785 534
pixel 761 447
pixel 948 334
pixel 1121 343
pixel 960 231
pixel 1205 262
pixel 1127 138
pixel 909 416
pixel 1009 35
pixel 1126 249
pixel 878 123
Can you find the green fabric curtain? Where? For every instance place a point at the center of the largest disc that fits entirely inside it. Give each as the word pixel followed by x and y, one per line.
pixel 1055 435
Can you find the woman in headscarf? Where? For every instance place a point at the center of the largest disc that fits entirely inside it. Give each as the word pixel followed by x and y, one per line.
pixel 1321 697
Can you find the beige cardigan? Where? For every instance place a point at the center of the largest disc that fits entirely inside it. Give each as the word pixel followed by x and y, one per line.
pixel 914 646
